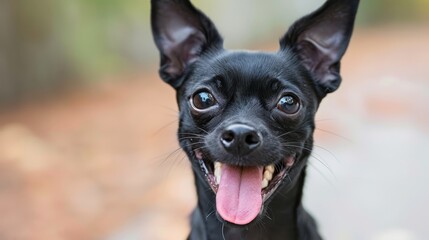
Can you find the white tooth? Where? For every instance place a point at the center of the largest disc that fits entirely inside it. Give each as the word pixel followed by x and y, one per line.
pixel 217 179
pixel 218 171
pixel 268 175
pixel 264 183
pixel 217 165
pixel 217 175
pixel 270 168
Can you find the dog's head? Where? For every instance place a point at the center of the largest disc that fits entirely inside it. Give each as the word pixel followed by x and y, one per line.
pixel 247 118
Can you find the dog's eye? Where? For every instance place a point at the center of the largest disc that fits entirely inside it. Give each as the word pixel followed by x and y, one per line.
pixel 288 104
pixel 203 100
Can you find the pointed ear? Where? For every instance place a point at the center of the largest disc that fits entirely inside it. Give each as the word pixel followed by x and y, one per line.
pixel 321 39
pixel 182 33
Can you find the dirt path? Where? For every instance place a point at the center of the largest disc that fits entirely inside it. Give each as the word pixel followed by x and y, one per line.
pixel 101 164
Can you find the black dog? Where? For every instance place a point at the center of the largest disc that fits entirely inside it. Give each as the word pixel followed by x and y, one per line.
pixel 247 118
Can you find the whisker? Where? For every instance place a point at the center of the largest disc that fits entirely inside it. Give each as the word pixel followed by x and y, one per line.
pixel 175 162
pixel 194 126
pixel 207 217
pixel 297 146
pixel 184 138
pixel 163 128
pixel 180 161
pixel 176 151
pixel 325 165
pixel 334 134
pixel 321 174
pixel 299 128
pixel 314 155
pixel 223 234
pixel 170 109
pixel 193 144
pixel 290 180
pixel 191 134
pixel 326 150
pixel 323 119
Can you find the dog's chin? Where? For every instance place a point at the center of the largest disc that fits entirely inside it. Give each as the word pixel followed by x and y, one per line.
pixel 242 192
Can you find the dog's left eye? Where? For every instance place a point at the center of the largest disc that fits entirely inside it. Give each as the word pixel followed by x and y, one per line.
pixel 288 104
pixel 202 100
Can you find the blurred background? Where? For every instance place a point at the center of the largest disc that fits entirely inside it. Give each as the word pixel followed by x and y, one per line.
pixel 87 129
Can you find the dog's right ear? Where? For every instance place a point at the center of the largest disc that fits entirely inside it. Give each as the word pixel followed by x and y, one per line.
pixel 181 33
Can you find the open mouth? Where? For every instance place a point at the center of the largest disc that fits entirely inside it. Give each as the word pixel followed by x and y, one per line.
pixel 241 191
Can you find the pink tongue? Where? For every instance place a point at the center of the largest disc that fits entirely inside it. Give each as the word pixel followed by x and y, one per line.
pixel 238 198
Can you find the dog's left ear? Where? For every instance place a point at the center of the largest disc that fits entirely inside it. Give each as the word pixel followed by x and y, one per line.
pixel 182 33
pixel 321 39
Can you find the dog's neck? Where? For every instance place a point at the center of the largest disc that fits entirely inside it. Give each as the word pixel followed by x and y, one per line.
pixel 288 210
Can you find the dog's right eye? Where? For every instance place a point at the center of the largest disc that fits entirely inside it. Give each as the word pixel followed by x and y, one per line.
pixel 203 100
pixel 289 104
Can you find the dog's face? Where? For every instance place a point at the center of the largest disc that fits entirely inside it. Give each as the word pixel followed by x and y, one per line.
pixel 247 118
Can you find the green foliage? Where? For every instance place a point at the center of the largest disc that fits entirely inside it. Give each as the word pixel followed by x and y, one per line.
pixel 393 11
pixel 94 32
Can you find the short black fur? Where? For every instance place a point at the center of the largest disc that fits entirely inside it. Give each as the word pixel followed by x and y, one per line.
pixel 248 110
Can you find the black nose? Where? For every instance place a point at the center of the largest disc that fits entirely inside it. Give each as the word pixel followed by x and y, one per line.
pixel 240 139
